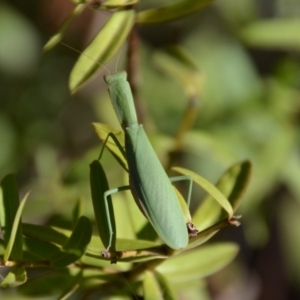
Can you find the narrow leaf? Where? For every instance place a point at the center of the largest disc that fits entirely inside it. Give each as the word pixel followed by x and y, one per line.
pixel 151 287
pixel 117 3
pixel 166 288
pixel 201 238
pixel 13 239
pixel 75 246
pixel 184 207
pixel 70 290
pixel 198 263
pixel 77 211
pixel 273 33
pixel 104 213
pixel 233 184
pixel 15 277
pixel 102 48
pixel 16 230
pixel 55 39
pixel 209 188
pixel 35 250
pixel 109 4
pixel 171 12
pixel 45 233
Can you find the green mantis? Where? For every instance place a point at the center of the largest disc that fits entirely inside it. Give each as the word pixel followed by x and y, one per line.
pixel 148 181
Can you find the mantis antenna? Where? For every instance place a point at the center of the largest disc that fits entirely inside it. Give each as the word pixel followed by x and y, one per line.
pixel 80 52
pixel 118 58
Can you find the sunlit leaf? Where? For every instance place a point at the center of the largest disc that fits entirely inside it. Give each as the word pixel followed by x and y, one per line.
pixel 55 39
pixel 165 286
pixel 109 4
pixel 171 12
pixel 198 263
pixel 273 33
pixel 151 288
pixel 201 238
pixel 184 207
pixel 156 287
pixel 232 185
pixel 102 48
pixel 15 277
pixel 208 187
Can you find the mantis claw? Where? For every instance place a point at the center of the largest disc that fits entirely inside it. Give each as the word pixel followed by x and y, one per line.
pixel 113 256
pixel 192 230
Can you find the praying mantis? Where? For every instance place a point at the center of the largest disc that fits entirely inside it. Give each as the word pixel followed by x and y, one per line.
pixel 149 184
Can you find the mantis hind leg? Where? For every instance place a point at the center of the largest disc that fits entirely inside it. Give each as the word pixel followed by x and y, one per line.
pixel 191 228
pixel 106 220
pixel 110 219
pixel 182 178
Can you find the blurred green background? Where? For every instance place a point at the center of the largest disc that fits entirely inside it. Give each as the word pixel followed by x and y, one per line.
pixel 248 55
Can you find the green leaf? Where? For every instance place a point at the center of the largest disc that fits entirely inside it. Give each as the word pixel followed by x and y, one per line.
pixel 47 285
pixel 102 130
pixel 104 212
pixel 237 180
pixel 15 277
pixel 77 211
pixel 184 207
pixel 35 250
pixel 198 263
pixel 151 287
pixel 55 39
pixel 75 246
pixel 109 4
pixel 171 12
pixel 72 288
pixel 102 48
pixel 233 184
pixel 13 239
pixel 166 288
pixel 208 187
pixel 117 3
pixel 273 33
pixel 201 238
pixel 16 230
pixel 45 233
pixel 135 250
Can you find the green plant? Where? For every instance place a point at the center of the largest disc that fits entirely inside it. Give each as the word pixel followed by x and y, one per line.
pixel 89 273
